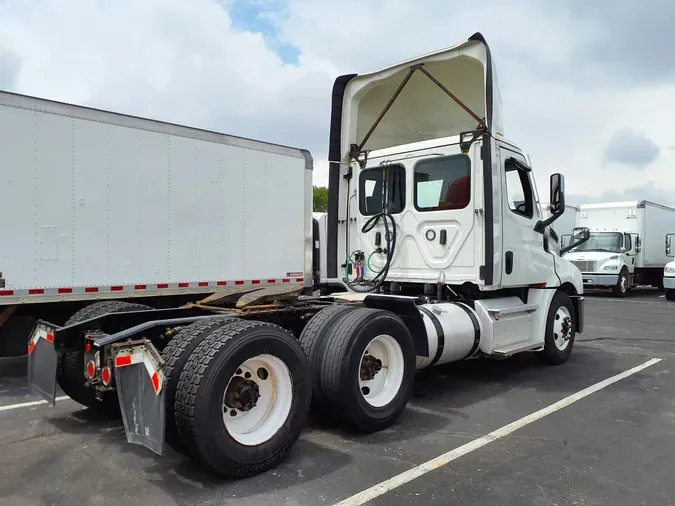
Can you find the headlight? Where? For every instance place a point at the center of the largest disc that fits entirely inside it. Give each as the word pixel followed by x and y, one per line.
pixel 611 267
pixel 669 270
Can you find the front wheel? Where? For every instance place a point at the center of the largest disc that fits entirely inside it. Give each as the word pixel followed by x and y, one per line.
pixel 621 287
pixel 560 331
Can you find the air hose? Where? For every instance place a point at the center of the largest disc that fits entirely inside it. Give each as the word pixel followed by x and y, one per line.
pixel 369 285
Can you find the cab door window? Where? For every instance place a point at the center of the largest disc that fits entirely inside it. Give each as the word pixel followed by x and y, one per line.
pixel 519 191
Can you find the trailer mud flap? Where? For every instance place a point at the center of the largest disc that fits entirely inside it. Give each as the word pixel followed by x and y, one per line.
pixel 139 379
pixel 42 362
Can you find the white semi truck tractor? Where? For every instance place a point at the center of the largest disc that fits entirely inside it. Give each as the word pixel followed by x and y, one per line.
pixel 435 251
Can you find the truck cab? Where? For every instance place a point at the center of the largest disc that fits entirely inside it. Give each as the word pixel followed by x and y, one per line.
pixel 429 198
pixel 669 270
pixel 607 259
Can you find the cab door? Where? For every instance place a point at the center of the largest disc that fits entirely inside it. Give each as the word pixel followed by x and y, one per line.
pixel 524 262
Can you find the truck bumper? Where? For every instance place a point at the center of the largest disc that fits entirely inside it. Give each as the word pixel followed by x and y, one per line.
pixel 42 362
pixel 600 279
pixel 669 283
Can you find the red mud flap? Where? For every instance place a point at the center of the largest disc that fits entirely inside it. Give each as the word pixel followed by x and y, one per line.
pixel 139 380
pixel 42 362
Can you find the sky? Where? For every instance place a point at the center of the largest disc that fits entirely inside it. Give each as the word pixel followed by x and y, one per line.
pixel 588 86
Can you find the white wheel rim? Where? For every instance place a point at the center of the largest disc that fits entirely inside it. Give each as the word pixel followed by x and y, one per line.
pixel 624 283
pixel 562 328
pixel 381 388
pixel 257 424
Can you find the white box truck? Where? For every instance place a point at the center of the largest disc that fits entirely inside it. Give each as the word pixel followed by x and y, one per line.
pixel 625 248
pixel 435 251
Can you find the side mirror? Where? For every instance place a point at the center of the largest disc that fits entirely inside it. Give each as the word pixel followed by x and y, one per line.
pixel 565 240
pixel 579 236
pixel 638 244
pixel 556 202
pixel 669 245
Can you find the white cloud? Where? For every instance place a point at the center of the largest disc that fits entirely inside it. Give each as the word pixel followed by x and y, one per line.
pixel 181 61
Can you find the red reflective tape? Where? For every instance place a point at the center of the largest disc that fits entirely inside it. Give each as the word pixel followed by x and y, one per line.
pixel 91 289
pixel 31 347
pixel 65 290
pixel 256 281
pixel 183 285
pixel 203 283
pixel 122 360
pixel 285 280
pixel 222 283
pixel 239 282
pixel 271 281
pixel 36 291
pixel 116 288
pixel 155 381
pixel 140 287
pixel 299 280
pixel 163 285
pixel 50 337
pixel 6 292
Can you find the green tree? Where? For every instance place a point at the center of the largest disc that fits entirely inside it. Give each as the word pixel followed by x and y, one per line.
pixel 320 199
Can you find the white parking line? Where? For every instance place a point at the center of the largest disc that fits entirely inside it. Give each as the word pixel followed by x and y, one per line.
pixel 29 404
pixel 442 460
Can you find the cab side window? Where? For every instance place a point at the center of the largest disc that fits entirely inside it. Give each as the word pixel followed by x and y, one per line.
pixel 628 242
pixel 519 191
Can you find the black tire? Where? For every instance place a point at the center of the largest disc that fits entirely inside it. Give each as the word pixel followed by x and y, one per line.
pixel 621 288
pixel 341 364
pixel 312 339
pixel 176 354
pixel 203 382
pixel 670 294
pixel 551 354
pixel 70 373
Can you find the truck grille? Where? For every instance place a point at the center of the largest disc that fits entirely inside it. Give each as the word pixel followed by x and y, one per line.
pixel 585 265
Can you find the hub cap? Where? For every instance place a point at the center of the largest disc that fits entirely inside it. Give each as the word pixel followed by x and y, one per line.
pixel 562 328
pixel 257 400
pixel 381 371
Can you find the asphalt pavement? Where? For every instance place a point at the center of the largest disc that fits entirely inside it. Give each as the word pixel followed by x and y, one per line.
pixel 612 446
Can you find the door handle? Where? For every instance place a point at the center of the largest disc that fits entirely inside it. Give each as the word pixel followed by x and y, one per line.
pixel 508 263
pixel 444 237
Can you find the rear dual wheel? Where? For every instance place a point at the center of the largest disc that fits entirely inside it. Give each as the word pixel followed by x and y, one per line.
pixel 363 366
pixel 241 398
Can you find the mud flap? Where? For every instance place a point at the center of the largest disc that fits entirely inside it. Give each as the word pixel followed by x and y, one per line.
pixel 139 379
pixel 42 362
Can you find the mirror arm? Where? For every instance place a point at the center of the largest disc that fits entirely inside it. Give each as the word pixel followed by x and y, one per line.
pixel 542 224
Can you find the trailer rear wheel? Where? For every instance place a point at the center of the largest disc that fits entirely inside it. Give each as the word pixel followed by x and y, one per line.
pixel 312 339
pixel 176 354
pixel 368 369
pixel 70 373
pixel 243 398
pixel 560 333
pixel 670 294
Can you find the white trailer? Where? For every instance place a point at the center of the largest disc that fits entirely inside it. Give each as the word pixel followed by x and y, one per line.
pixel 435 251
pixel 626 244
pixel 99 206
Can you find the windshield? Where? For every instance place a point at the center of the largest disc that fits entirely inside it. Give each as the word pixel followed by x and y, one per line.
pixel 602 241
